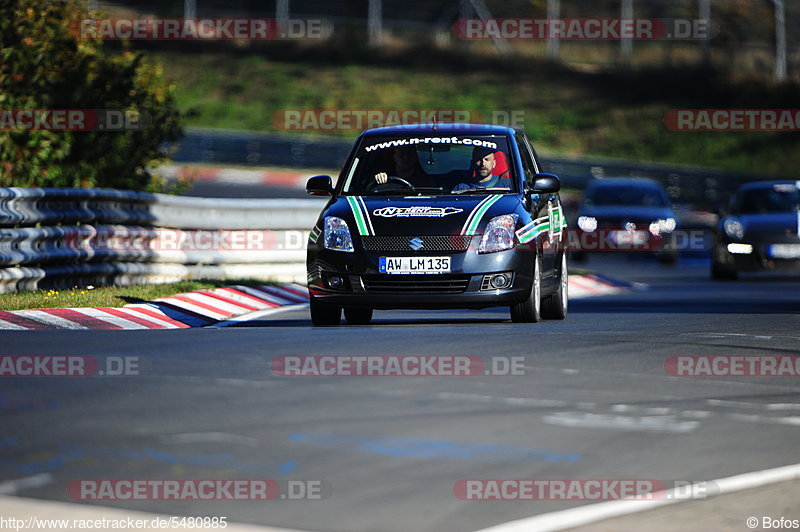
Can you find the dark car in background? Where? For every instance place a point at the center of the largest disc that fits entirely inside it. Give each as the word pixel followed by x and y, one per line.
pixel 625 214
pixel 761 230
pixel 442 234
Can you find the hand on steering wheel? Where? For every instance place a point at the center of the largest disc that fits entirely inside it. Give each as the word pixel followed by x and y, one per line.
pixel 383 180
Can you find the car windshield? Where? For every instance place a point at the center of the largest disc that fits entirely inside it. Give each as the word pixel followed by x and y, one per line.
pixel 779 198
pixel 626 196
pixel 454 164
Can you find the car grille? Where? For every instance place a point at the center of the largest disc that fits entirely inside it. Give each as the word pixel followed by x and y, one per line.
pixel 427 284
pixel 438 243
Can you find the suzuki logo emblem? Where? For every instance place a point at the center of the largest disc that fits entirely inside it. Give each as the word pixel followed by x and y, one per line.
pixel 416 243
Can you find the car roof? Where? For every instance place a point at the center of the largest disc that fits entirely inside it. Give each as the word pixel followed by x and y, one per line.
pixel 755 185
pixel 431 129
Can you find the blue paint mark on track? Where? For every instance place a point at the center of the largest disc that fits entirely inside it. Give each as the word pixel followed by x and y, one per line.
pixel 198 460
pixel 67 453
pixel 287 467
pixel 425 448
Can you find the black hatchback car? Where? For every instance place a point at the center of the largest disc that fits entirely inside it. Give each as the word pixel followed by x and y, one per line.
pixel 761 231
pixel 438 216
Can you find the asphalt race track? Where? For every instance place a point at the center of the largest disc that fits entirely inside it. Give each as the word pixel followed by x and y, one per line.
pixel 595 402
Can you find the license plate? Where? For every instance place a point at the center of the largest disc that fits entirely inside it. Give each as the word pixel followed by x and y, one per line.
pixel 784 251
pixel 626 239
pixel 410 265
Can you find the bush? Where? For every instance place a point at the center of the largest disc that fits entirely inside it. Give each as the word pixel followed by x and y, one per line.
pixel 44 65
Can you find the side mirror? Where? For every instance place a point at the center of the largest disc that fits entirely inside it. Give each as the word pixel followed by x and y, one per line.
pixel 319 185
pixel 546 184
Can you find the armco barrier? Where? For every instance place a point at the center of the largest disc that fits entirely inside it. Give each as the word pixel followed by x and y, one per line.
pixel 695 185
pixel 50 206
pixel 63 237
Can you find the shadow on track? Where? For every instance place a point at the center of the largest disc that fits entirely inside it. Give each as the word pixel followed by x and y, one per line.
pixel 611 304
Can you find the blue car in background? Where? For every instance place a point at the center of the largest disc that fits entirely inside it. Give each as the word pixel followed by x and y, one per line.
pixel 761 231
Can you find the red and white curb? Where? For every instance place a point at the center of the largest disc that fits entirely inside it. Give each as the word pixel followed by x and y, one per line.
pixel 218 307
pixel 581 286
pixel 200 308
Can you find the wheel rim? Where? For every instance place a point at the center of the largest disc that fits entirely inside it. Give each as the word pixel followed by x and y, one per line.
pixel 537 288
pixel 564 283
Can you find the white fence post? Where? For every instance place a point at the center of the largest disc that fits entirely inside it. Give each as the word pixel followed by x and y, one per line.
pixel 189 9
pixel 553 12
pixel 780 41
pixel 705 15
pixel 282 14
pixel 626 45
pixel 375 22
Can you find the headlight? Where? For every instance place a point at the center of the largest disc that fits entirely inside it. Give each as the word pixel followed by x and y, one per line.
pixel 734 228
pixel 662 226
pixel 337 235
pixel 740 249
pixel 588 224
pixel 499 234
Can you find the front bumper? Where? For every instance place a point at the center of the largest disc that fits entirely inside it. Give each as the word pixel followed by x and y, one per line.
pixel 614 239
pixel 762 258
pixel 365 286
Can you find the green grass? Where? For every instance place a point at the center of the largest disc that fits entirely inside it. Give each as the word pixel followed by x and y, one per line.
pixel 112 296
pixel 608 113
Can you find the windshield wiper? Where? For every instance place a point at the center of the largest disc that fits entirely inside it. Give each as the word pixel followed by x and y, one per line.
pixel 429 189
pixel 481 189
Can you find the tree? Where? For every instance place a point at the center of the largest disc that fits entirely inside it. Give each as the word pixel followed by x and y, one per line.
pixel 45 65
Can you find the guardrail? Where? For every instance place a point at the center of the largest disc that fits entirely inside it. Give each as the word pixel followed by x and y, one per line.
pixel 50 206
pixel 695 185
pixel 58 237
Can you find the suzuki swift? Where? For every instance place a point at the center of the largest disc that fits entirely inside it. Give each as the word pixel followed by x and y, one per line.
pixel 437 217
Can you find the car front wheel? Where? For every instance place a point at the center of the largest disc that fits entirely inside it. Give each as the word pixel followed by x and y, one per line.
pixel 555 306
pixel 324 314
pixel 529 311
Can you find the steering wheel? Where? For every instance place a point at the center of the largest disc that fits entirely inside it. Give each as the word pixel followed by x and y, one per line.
pixel 391 183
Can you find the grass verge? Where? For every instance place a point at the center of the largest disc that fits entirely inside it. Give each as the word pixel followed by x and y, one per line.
pixel 610 113
pixel 111 296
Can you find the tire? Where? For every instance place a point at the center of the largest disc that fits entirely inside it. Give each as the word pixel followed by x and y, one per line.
pixel 554 307
pixel 721 272
pixel 358 316
pixel 529 311
pixel 668 258
pixel 323 314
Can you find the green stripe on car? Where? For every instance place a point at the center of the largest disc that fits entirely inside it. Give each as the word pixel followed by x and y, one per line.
pixel 532 230
pixel 478 214
pixel 358 215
